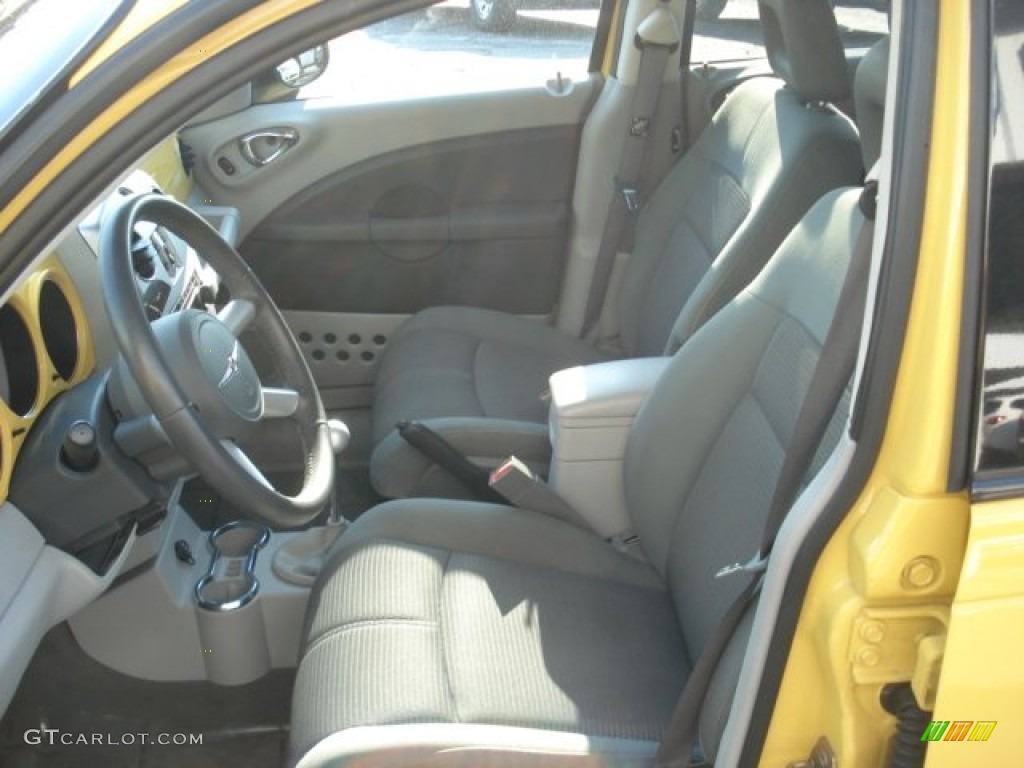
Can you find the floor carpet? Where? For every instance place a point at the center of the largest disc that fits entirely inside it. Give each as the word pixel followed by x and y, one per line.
pixel 66 690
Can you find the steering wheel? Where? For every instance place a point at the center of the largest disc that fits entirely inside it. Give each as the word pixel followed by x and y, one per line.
pixel 198 380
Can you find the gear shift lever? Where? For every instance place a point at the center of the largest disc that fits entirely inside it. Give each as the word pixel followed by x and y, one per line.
pixel 299 560
pixel 340 436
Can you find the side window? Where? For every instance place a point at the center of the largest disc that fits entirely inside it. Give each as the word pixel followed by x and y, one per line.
pixel 460 46
pixel 1001 410
pixel 729 30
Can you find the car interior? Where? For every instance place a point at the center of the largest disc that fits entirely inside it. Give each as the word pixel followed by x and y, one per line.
pixel 311 439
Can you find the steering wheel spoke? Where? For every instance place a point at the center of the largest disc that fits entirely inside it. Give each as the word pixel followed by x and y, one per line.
pixel 237 314
pixel 245 462
pixel 279 402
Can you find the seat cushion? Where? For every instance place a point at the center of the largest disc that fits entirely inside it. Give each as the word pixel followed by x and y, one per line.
pixel 468 621
pixel 479 378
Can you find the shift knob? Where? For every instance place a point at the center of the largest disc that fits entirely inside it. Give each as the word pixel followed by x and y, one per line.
pixel 78 450
pixel 340 435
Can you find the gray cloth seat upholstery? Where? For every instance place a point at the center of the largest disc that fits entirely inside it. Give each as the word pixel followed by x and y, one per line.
pixel 563 644
pixel 869 99
pixel 776 145
pixel 477 377
pixel 457 633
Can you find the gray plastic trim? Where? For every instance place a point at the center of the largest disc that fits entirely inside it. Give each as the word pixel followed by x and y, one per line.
pixel 592 412
pixel 41 586
pixel 342 349
pixel 166 635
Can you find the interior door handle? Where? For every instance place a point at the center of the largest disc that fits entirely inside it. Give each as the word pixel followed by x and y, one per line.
pixel 263 147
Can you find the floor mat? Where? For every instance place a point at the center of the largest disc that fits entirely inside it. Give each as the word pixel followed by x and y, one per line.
pixel 104 718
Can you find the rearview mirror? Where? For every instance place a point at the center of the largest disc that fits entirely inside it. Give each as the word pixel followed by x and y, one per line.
pixel 303 68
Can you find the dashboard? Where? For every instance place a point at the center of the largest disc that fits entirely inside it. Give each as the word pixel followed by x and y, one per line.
pixel 45 348
pixel 67 533
pixel 61 463
pixel 54 333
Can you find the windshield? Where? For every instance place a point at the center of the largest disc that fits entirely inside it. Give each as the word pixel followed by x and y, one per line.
pixel 38 40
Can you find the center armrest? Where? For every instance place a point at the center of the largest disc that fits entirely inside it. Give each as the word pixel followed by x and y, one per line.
pixel 616 388
pixel 592 413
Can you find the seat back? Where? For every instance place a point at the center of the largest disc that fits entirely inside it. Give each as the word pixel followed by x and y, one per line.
pixel 774 147
pixel 869 95
pixel 706 448
pixel 869 87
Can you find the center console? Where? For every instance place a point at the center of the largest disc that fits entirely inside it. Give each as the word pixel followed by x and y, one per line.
pixel 225 605
pixel 592 412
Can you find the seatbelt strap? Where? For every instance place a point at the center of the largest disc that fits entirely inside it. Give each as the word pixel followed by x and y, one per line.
pixel 514 481
pixel 831 374
pixel 681 142
pixel 626 200
pixel 449 458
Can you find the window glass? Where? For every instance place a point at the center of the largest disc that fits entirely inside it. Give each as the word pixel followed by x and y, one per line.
pixel 729 30
pixel 1001 433
pixel 467 46
pixel 460 47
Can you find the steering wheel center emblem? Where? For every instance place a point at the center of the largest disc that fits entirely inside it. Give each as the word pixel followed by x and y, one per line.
pixel 232 367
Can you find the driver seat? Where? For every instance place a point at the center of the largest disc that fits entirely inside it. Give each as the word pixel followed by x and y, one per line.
pixel 448 633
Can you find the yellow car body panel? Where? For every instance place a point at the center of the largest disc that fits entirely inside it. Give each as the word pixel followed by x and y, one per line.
pixel 164 164
pixel 878 605
pixel 983 671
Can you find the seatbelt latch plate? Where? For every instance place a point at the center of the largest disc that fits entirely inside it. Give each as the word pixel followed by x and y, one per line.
pixel 756 565
pixel 631 198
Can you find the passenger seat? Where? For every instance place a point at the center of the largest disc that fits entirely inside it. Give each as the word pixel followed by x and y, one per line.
pixel 478 378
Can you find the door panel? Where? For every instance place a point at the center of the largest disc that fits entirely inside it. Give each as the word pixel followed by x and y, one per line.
pixel 478 221
pixel 376 211
pixel 333 138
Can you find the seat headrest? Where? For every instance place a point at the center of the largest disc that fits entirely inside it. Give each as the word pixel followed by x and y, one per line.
pixel 869 99
pixel 804 49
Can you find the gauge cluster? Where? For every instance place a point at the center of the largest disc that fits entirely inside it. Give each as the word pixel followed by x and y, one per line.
pixel 46 347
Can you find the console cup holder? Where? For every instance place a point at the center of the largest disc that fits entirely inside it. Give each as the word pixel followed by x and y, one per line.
pixel 232 631
pixel 230 582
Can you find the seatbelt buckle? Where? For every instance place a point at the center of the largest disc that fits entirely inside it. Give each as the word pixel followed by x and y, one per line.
pixel 631 198
pixel 756 565
pixel 517 484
